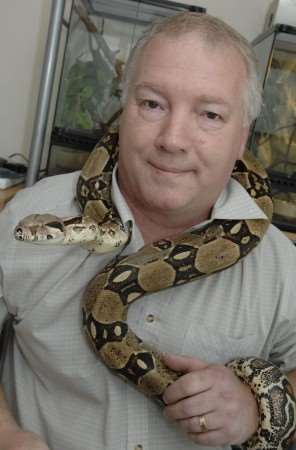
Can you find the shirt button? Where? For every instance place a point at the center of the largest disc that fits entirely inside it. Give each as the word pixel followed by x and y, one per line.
pixel 150 318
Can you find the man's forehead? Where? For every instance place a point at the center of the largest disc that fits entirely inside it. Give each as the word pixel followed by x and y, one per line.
pixel 163 60
pixel 167 47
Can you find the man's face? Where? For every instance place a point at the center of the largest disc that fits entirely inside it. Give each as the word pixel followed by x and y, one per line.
pixel 182 127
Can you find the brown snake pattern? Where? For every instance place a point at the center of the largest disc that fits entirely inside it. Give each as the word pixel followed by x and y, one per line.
pixel 158 266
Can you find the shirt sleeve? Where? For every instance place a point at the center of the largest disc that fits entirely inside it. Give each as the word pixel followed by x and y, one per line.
pixel 3 311
pixel 3 306
pixel 6 257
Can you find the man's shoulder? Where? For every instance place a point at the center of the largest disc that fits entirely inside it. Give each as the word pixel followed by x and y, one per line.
pixel 55 193
pixel 277 236
pixel 277 247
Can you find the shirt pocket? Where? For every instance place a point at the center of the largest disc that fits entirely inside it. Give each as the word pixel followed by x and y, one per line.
pixel 215 346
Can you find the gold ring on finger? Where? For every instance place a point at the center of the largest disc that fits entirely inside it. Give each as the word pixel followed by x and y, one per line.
pixel 203 424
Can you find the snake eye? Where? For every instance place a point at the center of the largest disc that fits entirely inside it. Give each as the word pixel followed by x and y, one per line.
pixel 19 234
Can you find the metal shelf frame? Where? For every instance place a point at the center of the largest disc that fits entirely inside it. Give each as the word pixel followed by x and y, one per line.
pixel 45 90
pixel 48 75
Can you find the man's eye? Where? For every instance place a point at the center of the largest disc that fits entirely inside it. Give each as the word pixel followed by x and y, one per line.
pixel 151 104
pixel 212 115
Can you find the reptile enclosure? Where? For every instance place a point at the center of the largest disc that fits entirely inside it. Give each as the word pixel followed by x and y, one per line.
pixel 273 137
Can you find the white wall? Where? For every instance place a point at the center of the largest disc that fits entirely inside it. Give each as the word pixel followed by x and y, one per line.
pixel 247 16
pixel 23 26
pixel 23 32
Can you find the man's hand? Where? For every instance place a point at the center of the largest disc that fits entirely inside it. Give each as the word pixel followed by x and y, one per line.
pixel 12 437
pixel 210 403
pixel 17 439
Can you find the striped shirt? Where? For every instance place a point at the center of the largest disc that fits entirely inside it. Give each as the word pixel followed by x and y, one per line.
pixel 55 384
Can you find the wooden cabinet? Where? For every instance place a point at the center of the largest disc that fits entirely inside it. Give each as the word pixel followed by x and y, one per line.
pixel 7 194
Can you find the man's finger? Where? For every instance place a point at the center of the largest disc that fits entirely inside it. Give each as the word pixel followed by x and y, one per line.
pixel 190 407
pixel 184 364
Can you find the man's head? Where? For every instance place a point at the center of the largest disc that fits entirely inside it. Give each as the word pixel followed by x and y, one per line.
pixel 216 33
pixel 185 120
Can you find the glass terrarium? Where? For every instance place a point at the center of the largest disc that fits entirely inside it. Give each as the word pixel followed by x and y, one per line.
pixel 100 36
pixel 273 138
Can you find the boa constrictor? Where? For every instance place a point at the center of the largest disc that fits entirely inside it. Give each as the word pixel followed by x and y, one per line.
pixel 163 264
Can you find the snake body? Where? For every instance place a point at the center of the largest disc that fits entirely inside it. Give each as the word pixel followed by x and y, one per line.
pixel 160 265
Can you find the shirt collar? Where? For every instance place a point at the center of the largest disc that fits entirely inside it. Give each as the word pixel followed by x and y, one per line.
pixel 119 201
pixel 126 216
pixel 234 203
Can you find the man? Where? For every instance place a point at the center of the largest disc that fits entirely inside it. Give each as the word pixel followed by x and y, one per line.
pixel 189 98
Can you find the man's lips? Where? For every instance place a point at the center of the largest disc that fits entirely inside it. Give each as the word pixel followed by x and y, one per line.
pixel 166 169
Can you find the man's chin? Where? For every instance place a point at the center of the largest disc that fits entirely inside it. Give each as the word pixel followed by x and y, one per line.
pixel 170 205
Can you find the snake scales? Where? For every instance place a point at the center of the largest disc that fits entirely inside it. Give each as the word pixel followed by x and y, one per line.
pixel 160 265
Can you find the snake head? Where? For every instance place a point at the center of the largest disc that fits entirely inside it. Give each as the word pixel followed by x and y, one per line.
pixel 40 229
pixel 111 236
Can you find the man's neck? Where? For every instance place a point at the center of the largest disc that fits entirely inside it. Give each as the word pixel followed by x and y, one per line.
pixel 158 225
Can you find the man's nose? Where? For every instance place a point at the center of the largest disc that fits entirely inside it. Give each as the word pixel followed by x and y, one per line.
pixel 174 133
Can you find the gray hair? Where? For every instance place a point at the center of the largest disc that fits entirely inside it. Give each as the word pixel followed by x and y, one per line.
pixel 213 31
